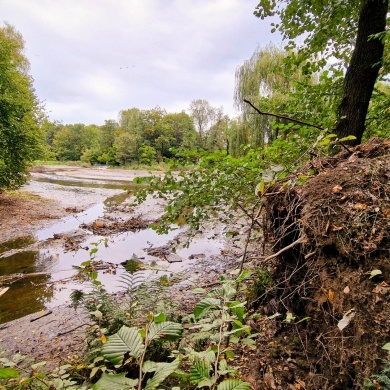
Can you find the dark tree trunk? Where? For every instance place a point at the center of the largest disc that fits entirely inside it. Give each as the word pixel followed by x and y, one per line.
pixel 362 71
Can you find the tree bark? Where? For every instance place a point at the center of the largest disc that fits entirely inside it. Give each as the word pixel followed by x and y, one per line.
pixel 362 71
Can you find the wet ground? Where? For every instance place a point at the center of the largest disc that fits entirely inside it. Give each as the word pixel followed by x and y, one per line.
pixel 39 269
pixel 51 226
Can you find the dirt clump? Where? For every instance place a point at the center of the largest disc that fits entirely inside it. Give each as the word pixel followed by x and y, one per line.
pixel 330 224
pixel 107 227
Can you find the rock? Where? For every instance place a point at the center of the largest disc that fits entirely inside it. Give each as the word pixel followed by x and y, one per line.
pixel 98 224
pixel 173 258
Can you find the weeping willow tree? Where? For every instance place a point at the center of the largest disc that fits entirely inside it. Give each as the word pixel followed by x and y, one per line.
pixel 261 80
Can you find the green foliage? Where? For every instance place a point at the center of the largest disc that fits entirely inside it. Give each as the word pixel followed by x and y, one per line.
pixel 14 375
pixel 198 194
pixel 134 342
pixel 21 139
pixel 71 141
pixel 381 380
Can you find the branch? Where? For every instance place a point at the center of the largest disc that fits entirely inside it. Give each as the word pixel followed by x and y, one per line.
pixel 282 116
pixel 295 243
pixel 296 121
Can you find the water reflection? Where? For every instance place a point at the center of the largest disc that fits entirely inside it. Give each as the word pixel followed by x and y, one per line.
pixel 17 243
pixel 25 296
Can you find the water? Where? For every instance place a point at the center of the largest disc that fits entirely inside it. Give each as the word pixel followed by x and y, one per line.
pixel 50 272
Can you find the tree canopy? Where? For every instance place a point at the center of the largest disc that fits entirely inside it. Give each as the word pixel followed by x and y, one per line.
pixel 20 135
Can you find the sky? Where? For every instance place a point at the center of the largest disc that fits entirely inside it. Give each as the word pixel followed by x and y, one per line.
pixel 90 59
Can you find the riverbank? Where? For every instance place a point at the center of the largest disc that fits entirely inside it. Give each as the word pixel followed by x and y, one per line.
pixel 60 335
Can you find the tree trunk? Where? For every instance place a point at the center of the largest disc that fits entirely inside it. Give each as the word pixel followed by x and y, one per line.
pixel 362 71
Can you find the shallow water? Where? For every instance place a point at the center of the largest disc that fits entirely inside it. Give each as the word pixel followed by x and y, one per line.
pixel 53 282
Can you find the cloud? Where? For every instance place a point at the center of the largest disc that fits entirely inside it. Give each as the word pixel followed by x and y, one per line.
pixel 90 59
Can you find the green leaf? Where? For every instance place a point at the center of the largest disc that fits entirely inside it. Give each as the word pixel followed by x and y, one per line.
pixel 200 371
pixel 167 329
pixel 243 275
pixel 115 382
pixel 347 138
pixel 149 366
pixel 374 273
pixel 233 384
pixel 125 340
pixel 203 306
pixel 160 317
pixel 162 372
pixel 7 373
pixel 386 347
pixel 199 291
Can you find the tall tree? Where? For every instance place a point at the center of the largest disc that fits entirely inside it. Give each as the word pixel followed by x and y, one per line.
pixel 21 138
pixel 204 116
pixel 348 31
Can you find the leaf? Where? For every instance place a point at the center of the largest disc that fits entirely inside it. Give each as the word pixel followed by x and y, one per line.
pixel 348 316
pixel 386 347
pixel 169 330
pixel 7 373
pixel 115 382
pixel 347 138
pixel 162 372
pixel 160 317
pixel 233 384
pixel 125 340
pixel 203 306
pixel 98 314
pixel 243 275
pixel 199 291
pixel 199 371
pixel 374 273
pixel 149 366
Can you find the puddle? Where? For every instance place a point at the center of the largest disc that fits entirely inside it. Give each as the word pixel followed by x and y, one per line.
pixel 17 243
pixel 85 183
pixel 32 294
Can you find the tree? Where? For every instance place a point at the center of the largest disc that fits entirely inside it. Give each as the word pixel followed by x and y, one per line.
pixel 204 116
pixel 330 30
pixel 21 139
pixel 72 141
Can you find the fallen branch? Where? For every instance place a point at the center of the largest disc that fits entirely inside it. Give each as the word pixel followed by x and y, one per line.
pixel 73 329
pixel 286 248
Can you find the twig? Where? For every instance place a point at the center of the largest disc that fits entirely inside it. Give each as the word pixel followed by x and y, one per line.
pixel 286 248
pixel 72 330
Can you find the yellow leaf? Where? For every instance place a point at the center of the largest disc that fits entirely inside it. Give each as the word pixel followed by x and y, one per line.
pixel 360 206
pixel 103 338
pixel 330 295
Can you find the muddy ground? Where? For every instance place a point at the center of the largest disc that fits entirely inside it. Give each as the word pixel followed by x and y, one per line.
pixel 60 335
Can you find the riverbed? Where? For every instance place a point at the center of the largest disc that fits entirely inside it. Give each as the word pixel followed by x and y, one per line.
pixel 82 209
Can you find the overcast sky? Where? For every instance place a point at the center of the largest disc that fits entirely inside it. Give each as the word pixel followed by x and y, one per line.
pixel 92 58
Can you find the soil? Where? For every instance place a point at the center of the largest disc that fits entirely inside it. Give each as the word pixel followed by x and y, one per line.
pixel 331 230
